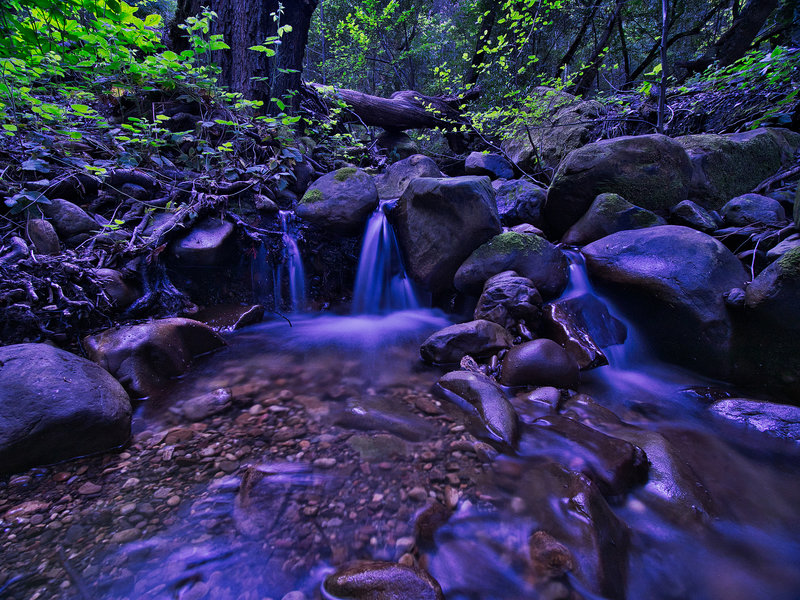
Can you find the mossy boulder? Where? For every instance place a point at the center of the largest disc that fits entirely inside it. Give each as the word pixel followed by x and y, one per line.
pixel 530 256
pixel 608 214
pixel 672 280
pixel 566 124
pixel 775 294
pixel 726 166
pixel 340 202
pixel 439 222
pixel 650 171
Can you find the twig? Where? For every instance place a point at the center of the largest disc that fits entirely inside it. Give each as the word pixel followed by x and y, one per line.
pixel 769 181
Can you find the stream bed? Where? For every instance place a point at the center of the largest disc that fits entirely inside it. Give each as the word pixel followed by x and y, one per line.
pixel 331 447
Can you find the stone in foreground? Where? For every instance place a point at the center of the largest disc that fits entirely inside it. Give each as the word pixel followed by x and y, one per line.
pixel 55 406
pixel 378 580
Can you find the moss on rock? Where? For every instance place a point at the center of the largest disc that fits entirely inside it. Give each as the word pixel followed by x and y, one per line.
pixel 345 173
pixel 311 196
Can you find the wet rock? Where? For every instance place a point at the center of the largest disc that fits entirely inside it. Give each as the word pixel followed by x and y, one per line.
pixel 615 465
pixel 520 201
pixel 650 171
pixel 672 281
pixel 476 338
pixel 791 242
pixel 778 420
pixel 718 163
pixel 376 580
pixel 569 126
pixel 540 362
pixel 529 255
pixel 439 222
pixel 378 447
pixel 230 317
pixel 753 208
pixel 340 201
pixel 201 407
pixel 549 557
pixel 56 406
pixel 691 214
pixel 68 219
pixel 265 205
pixel 488 399
pixel 493 166
pixel 396 145
pixel 583 326
pixel 207 243
pixel 116 288
pixel 43 236
pixel 571 509
pixel 394 182
pixel 508 299
pixel 608 214
pixel 374 414
pixel 142 357
pixel 775 294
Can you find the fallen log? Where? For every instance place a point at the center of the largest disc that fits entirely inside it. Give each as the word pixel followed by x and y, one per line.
pixel 402 110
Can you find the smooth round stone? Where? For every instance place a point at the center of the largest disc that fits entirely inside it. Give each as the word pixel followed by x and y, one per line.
pixel 541 362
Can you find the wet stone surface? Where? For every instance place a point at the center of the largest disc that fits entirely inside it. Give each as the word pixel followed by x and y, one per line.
pixel 270 485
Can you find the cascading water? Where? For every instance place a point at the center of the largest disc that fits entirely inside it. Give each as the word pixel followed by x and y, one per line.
pixel 382 284
pixel 282 284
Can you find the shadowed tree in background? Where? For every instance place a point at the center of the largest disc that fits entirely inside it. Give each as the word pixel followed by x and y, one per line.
pixel 246 23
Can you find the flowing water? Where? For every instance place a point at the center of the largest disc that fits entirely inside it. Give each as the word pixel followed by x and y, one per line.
pixel 381 282
pixel 334 446
pixel 282 284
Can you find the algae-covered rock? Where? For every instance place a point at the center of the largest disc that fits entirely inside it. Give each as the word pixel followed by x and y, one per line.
pixel 608 214
pixel 650 171
pixel 340 201
pixel 726 166
pixel 520 201
pixel 530 256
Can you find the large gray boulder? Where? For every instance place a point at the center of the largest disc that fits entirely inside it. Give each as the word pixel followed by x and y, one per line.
pixel 395 180
pixel 143 357
pixel 608 214
pixel 726 166
pixel 439 222
pixel 691 214
pixel 55 406
pixel 530 256
pixel 340 201
pixel 672 280
pixel 476 338
pixel 520 201
pixel 651 171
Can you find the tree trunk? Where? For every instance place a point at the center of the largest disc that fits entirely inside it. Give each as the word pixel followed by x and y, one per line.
pixel 246 23
pixel 489 9
pixel 734 42
pixel 584 84
pixel 403 110
pixel 578 40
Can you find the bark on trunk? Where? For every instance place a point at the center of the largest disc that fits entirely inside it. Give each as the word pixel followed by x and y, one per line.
pixel 246 23
pixel 586 80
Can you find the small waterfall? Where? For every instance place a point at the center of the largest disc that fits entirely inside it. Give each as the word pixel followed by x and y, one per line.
pixel 290 279
pixel 280 283
pixel 382 284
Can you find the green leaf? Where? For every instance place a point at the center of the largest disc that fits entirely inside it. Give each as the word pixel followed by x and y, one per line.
pixel 36 164
pixel 169 55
